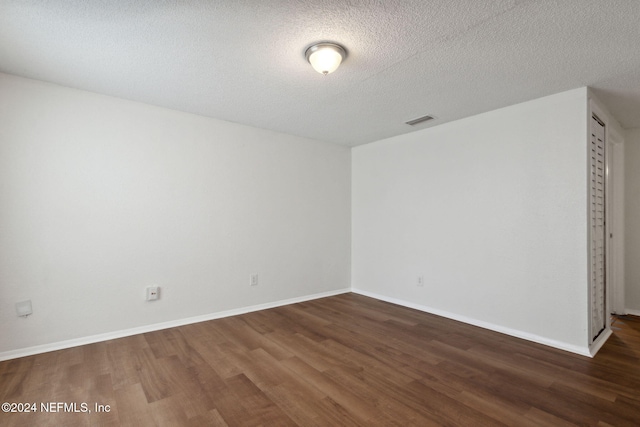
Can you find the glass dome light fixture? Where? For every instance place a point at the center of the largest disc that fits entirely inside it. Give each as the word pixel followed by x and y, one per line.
pixel 325 57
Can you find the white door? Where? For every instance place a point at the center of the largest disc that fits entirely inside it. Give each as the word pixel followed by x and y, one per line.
pixel 597 231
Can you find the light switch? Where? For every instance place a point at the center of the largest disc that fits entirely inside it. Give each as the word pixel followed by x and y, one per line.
pixel 23 308
pixel 153 293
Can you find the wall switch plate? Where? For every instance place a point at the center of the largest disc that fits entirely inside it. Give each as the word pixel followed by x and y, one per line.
pixel 23 308
pixel 153 293
pixel 253 279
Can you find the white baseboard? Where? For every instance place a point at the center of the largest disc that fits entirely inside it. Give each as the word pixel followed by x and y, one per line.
pixel 583 351
pixel 632 312
pixel 29 351
pixel 596 346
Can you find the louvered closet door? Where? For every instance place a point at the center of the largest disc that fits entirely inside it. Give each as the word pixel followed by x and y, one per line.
pixel 597 223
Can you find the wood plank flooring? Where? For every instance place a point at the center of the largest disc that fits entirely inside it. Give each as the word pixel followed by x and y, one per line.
pixel 346 360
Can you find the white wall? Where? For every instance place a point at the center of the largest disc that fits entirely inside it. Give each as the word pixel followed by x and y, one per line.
pixel 492 210
pixel 100 197
pixel 632 222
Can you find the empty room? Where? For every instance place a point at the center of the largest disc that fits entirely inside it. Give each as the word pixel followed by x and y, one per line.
pixel 319 213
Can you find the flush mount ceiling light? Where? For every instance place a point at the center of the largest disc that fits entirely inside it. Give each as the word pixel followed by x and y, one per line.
pixel 325 58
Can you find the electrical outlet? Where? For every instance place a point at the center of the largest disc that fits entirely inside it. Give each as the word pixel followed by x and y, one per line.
pixel 253 279
pixel 420 281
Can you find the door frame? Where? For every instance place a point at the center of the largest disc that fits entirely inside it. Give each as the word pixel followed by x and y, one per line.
pixel 614 217
pixel 615 222
pixel 604 328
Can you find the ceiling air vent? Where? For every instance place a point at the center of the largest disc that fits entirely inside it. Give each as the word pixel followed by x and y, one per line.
pixel 419 120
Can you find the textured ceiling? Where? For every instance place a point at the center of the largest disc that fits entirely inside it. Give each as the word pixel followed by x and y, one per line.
pixel 243 61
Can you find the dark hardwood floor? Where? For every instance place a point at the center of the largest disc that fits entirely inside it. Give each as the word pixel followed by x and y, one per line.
pixel 346 360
